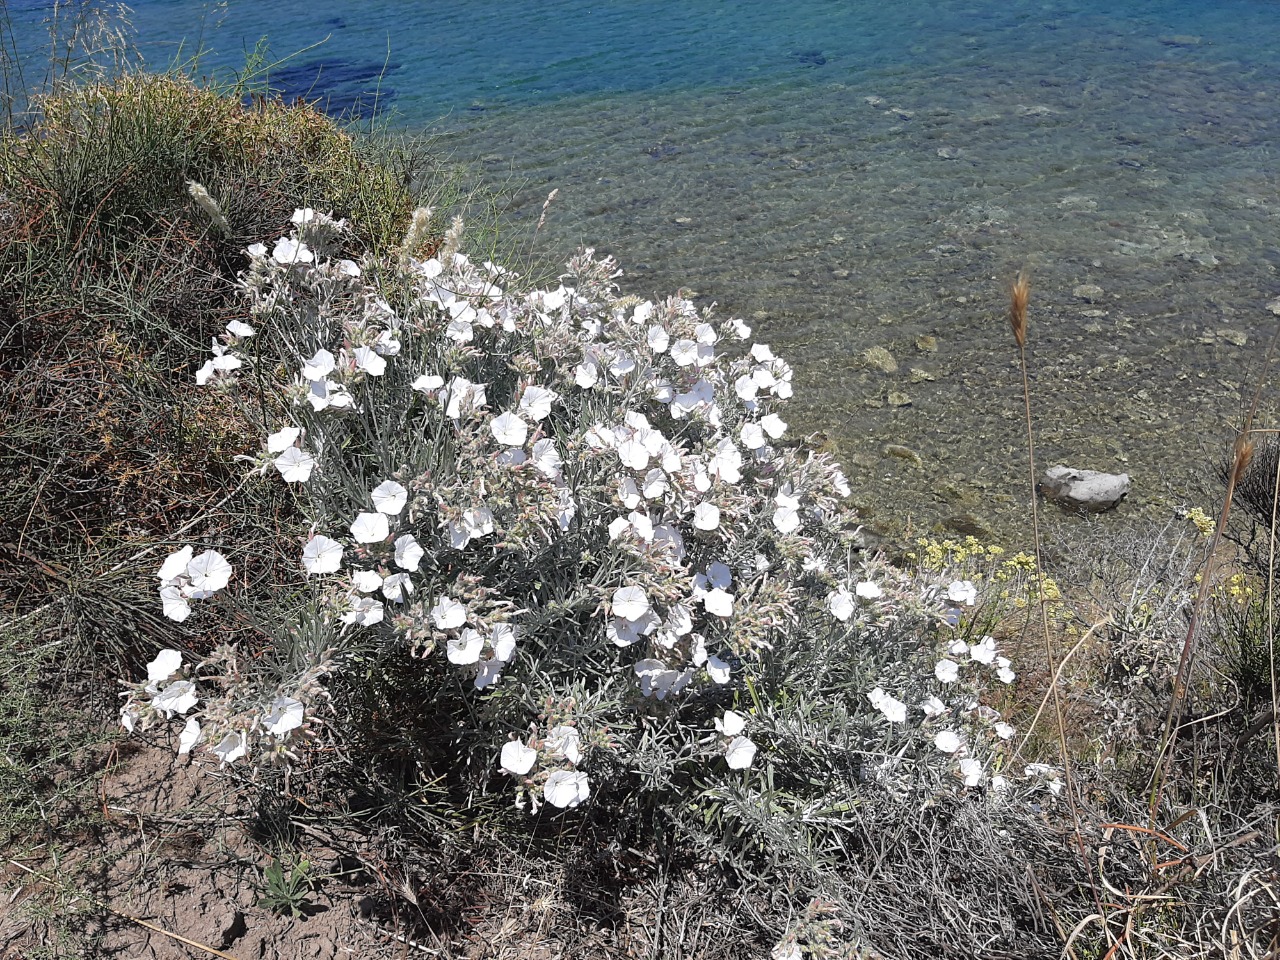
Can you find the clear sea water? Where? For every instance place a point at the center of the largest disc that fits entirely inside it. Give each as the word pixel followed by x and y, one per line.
pixel 848 174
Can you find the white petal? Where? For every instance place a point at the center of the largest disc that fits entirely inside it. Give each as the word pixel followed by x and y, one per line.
pixel 389 497
pixel 175 565
pixel 948 741
pixel 164 666
pixel 283 439
pixel 706 516
pixel 566 788
pixel 189 737
pixel 509 430
pixel 739 753
pixel 370 528
pixel 517 758
pixel 448 614
pixel 295 465
pixel 630 603
pixel 175 604
pixel 286 715
pixel 209 572
pixel 231 748
pixel 466 647
pixel 408 553
pixel 732 724
pixel 718 602
pixel 321 555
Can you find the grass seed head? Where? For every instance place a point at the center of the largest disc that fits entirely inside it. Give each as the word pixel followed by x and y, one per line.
pixel 1019 294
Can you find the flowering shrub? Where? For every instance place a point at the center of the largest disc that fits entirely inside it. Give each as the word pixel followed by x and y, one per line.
pixel 581 506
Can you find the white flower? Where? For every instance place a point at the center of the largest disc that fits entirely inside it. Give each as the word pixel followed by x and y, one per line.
pixel 370 361
pixel 630 603
pixel 286 715
pixel 289 251
pixel 389 497
pixel 948 741
pixel 448 614
pixel 739 753
pixel 366 581
pixel 509 430
pixel 947 671
pixel 684 352
pixel 365 612
pixel 164 666
pixel 719 576
pixel 536 402
pixel 189 737
pixel 408 553
pixel 238 328
pixel 732 724
pixel 718 602
pixel 566 789
pixel 321 555
pixel 295 465
pixel 933 707
pixel 283 439
pixel 516 758
pixel 657 338
pixel 740 329
pixel 786 517
pixel 128 717
pixel 177 697
pixel 174 604
pixel 564 741
pixel 209 572
pixel 840 604
pixel 706 516
pixel 718 670
pixel 726 462
pixel 868 590
pixel 466 647
pixel 427 383
pixel 633 454
pixel 546 458
pixel 984 651
pixel 174 566
pixel 1005 671
pixel 752 436
pixel 319 366
pixel 894 710
pixel 971 770
pixel 586 374
pixel 231 748
pixel 963 591
pixel 397 587
pixel 1004 730
pixel 370 528
pixel 773 425
pixel 503 642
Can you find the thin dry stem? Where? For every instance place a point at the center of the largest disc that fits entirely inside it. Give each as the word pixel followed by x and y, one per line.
pixel 1020 296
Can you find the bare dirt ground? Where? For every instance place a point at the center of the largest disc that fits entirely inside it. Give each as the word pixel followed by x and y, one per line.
pixel 172 868
pixel 173 852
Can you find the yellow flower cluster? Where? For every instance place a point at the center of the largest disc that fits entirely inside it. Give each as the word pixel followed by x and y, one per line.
pixel 1203 522
pixel 978 561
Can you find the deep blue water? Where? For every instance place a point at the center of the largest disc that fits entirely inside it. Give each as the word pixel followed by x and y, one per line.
pixel 857 174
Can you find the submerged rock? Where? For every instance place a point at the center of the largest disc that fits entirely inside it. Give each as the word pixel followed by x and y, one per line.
pixel 1086 490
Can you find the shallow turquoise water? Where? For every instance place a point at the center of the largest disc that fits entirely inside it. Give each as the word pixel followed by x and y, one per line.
pixel 848 175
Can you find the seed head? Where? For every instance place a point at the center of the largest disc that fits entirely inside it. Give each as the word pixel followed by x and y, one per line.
pixel 1019 294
